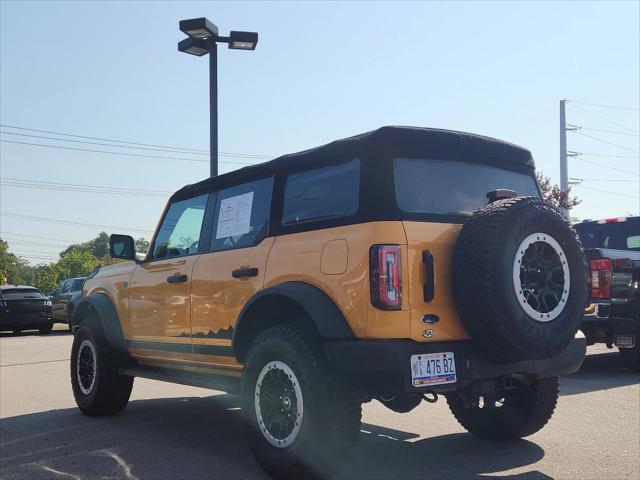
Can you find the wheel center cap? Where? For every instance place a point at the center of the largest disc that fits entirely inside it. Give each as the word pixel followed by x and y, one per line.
pixel 286 404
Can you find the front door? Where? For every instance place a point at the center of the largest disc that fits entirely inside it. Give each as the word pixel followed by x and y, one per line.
pixel 160 288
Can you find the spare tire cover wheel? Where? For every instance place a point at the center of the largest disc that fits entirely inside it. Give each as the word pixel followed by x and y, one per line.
pixel 541 278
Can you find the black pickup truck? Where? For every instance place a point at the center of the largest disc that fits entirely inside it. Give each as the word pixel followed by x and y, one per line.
pixel 612 248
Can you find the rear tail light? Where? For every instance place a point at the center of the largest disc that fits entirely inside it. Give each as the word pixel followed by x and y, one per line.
pixel 600 278
pixel 386 277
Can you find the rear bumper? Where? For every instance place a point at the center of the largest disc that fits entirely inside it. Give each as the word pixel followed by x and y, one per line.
pixel 383 366
pixel 24 320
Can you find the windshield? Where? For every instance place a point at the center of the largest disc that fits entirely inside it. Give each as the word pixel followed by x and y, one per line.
pixel 617 236
pixel 452 187
pixel 20 293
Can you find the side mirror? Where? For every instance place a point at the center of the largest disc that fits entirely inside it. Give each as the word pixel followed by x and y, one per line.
pixel 122 246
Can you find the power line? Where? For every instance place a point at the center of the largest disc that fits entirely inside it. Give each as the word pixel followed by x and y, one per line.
pixel 36 236
pixel 232 154
pixel 605 106
pixel 607 166
pixel 29 251
pixel 615 132
pixel 120 153
pixel 603 180
pixel 604 141
pixel 100 143
pixel 603 118
pixel 609 191
pixel 588 154
pixel 67 222
pixel 74 187
pixel 34 244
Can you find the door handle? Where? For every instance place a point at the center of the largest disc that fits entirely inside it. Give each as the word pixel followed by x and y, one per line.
pixel 177 278
pixel 245 272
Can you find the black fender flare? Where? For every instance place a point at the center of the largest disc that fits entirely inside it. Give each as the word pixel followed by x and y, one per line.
pixel 327 318
pixel 107 323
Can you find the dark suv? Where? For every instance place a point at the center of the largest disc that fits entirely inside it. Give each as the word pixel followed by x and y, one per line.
pixel 23 307
pixel 65 299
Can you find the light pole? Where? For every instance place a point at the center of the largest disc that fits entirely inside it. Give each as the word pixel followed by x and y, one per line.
pixel 203 38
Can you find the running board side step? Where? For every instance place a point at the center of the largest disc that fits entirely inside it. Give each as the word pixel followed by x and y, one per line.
pixel 194 379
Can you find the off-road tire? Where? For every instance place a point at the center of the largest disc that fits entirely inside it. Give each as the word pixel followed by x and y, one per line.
pixel 483 273
pixel 45 329
pixel 631 356
pixel 331 419
pixel 110 391
pixel 525 411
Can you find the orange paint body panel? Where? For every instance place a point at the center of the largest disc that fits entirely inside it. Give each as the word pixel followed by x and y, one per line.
pixel 299 257
pixel 439 239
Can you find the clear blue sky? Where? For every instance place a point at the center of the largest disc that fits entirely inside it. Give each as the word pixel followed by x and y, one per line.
pixel 321 71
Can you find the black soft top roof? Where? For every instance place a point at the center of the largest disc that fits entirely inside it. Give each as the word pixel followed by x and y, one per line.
pixel 389 139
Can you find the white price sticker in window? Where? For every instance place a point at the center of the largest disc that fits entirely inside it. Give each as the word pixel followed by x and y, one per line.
pixel 234 218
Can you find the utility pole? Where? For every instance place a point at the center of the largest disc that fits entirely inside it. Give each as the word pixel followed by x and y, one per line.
pixel 564 171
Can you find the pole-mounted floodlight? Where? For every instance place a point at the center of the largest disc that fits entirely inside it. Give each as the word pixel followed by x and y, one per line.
pixel 243 40
pixel 203 38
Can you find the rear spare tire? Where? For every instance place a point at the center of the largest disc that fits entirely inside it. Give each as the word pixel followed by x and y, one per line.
pixel 519 279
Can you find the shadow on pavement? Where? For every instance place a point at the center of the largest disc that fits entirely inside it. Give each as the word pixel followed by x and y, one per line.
pixel 192 438
pixel 600 371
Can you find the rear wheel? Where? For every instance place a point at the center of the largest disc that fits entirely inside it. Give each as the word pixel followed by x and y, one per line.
pixel 510 414
pixel 46 329
pixel 98 388
pixel 303 418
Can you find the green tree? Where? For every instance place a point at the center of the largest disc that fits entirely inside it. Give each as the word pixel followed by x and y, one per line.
pixel 77 263
pixel 46 277
pixel 13 269
pixel 555 195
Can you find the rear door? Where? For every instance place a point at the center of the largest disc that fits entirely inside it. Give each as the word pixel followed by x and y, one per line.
pixel 160 289
pixel 226 277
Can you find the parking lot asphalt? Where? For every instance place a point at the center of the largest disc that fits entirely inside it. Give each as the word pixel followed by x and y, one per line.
pixel 176 432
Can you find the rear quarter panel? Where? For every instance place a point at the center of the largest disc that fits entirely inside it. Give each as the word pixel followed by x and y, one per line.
pixel 299 257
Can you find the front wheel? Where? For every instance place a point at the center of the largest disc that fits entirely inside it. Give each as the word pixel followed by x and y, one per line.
pixel 98 388
pixel 509 415
pixel 302 418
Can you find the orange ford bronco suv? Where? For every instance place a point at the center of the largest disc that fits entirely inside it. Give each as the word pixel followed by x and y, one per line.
pixel 397 265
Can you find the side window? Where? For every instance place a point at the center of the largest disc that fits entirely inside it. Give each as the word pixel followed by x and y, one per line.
pixel 77 285
pixel 241 215
pixel 64 286
pixel 322 193
pixel 180 230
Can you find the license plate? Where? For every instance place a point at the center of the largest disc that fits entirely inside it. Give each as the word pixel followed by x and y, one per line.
pixel 433 369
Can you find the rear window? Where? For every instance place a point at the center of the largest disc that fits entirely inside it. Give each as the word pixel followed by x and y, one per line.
pixel 452 187
pixel 617 236
pixel 20 293
pixel 322 193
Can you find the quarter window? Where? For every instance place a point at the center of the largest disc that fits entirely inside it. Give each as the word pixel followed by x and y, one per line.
pixel 322 194
pixel 180 230
pixel 241 215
